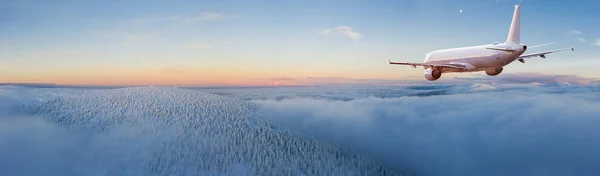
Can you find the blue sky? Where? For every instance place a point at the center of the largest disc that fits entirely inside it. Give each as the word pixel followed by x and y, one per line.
pixel 237 41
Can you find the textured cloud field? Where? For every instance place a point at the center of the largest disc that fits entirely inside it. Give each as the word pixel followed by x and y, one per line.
pixel 462 129
pixel 475 129
pixel 155 131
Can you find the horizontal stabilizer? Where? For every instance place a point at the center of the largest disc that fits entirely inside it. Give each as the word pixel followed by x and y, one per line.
pixel 542 54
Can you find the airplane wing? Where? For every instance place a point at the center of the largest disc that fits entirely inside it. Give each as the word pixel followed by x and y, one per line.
pixel 542 54
pixel 414 65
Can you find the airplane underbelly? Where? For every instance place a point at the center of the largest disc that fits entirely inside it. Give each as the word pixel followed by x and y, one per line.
pixel 492 61
pixel 479 57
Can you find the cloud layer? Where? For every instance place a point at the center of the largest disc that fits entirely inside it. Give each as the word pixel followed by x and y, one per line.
pixel 532 77
pixel 518 131
pixel 469 129
pixel 155 131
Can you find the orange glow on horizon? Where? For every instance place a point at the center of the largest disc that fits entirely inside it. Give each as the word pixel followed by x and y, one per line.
pixel 188 76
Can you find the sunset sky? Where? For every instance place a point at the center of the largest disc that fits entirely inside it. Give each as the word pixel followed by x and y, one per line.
pixel 258 42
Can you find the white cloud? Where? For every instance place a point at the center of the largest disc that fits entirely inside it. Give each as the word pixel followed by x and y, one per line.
pixel 597 42
pixel 202 17
pixel 575 32
pixel 521 131
pixel 67 131
pixel 344 30
pixel 206 16
pixel 532 77
pixel 153 20
pixel 581 39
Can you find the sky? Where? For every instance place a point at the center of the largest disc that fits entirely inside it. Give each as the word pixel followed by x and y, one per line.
pixel 263 42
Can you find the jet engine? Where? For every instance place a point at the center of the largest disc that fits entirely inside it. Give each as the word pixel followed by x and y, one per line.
pixel 494 71
pixel 432 74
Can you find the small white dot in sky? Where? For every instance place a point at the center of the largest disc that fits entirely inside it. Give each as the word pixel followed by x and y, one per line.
pixel 460 11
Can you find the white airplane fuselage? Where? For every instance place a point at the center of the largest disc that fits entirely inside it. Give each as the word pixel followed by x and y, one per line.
pixel 475 58
pixel 489 58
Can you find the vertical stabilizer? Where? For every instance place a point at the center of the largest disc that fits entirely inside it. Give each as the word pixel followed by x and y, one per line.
pixel 514 35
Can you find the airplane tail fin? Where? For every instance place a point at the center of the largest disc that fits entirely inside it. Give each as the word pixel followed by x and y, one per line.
pixel 514 34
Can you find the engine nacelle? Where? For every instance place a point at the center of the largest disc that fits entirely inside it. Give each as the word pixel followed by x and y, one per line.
pixel 494 71
pixel 432 74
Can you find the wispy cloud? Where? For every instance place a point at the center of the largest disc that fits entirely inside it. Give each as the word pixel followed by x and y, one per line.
pixel 206 16
pixel 202 17
pixel 575 32
pixel 344 30
pixel 153 20
pixel 581 39
pixel 283 79
pixel 597 42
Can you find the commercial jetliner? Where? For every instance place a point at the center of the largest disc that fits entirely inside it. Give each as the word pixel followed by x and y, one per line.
pixel 489 58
